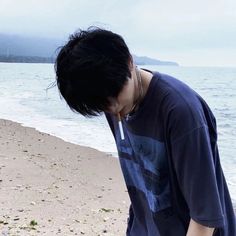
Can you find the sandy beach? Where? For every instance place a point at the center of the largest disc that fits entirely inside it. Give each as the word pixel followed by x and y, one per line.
pixel 52 187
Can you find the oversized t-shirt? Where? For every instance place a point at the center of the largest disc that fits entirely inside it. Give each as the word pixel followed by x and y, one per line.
pixel 170 162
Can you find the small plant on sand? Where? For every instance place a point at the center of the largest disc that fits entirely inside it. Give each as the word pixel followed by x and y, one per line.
pixel 106 210
pixel 33 223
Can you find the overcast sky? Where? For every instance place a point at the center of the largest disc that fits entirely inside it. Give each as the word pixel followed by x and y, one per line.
pixel 190 32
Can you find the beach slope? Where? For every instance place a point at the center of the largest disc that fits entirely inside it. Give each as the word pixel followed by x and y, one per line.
pixel 52 187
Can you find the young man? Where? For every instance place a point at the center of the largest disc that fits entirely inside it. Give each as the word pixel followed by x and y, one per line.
pixel 165 134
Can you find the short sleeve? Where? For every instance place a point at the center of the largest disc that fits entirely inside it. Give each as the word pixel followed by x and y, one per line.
pixel 194 164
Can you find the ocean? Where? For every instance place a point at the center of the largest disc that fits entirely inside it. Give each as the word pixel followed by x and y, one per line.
pixel 25 99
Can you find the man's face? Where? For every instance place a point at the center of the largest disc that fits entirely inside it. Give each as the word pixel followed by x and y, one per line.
pixel 124 102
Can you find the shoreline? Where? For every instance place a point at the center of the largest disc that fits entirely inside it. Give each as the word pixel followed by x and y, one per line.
pixel 53 187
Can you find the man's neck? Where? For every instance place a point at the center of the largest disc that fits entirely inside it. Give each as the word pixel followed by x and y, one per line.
pixel 146 78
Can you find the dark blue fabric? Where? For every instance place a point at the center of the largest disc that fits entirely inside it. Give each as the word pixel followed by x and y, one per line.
pixel 171 165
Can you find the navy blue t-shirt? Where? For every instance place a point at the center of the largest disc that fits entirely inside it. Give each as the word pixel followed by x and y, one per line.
pixel 171 165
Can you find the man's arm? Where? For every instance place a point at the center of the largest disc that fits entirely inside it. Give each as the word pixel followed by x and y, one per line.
pixel 196 229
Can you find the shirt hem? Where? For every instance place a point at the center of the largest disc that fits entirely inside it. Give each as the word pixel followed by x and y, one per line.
pixel 216 223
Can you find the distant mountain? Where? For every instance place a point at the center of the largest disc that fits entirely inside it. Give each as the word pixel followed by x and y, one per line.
pixel 28 46
pixel 14 48
pixel 150 61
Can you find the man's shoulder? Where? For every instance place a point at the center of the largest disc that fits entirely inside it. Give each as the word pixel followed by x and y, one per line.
pixel 180 105
pixel 174 93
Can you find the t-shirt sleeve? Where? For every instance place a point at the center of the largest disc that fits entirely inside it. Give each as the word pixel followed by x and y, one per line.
pixel 193 157
pixel 195 171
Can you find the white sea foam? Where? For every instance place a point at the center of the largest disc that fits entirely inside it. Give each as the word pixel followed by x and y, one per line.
pixel 93 133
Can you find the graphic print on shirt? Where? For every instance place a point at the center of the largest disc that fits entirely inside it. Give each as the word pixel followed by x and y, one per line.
pixel 144 164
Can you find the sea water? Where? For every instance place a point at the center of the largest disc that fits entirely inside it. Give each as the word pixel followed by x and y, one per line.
pixel 25 99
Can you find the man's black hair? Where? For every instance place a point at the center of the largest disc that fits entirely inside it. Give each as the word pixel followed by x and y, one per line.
pixel 92 67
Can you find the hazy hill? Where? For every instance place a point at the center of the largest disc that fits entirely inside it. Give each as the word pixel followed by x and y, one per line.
pixel 27 46
pixel 150 61
pixel 15 48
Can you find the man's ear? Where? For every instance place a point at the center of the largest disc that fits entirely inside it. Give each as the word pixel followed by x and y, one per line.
pixel 131 63
pixel 131 66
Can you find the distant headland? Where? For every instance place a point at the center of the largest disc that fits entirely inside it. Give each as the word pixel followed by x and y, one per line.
pixel 143 60
pixel 21 49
